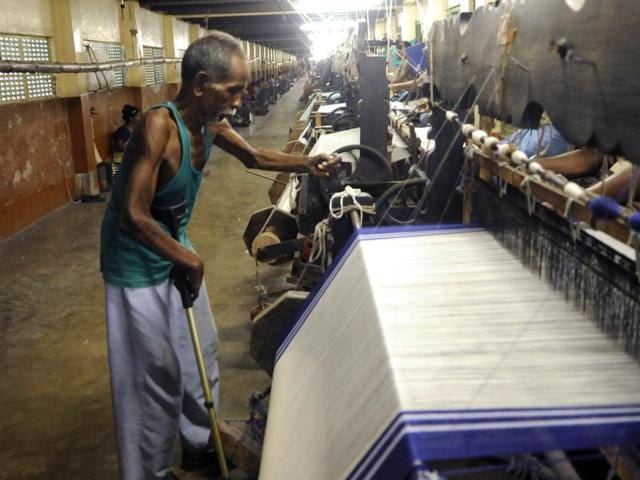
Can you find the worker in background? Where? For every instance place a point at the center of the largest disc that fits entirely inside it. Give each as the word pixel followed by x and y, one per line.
pixel 155 387
pixel 408 78
pixel 405 71
pixel 130 117
pixel 544 141
pixel 617 179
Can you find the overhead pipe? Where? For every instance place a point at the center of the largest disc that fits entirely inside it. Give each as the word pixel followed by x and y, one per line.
pixel 54 67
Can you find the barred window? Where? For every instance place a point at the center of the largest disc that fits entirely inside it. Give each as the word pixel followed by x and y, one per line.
pixel 15 87
pixel 110 52
pixel 153 74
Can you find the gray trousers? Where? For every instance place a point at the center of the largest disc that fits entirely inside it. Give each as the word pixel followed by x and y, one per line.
pixel 155 386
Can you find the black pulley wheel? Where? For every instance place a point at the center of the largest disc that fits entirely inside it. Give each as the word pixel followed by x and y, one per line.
pixel 368 166
pixel 346 121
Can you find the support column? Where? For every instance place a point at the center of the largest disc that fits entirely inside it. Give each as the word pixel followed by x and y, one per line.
pixel 129 37
pixel 263 65
pixel 195 32
pixel 431 11
pixel 173 70
pixel 409 19
pixel 73 86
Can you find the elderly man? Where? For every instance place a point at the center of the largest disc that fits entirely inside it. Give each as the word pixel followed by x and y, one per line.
pixel 154 380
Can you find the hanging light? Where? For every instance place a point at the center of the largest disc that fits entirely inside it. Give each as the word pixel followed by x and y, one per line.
pixel 327 36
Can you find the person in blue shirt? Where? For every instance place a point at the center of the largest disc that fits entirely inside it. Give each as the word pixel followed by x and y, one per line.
pixel 544 141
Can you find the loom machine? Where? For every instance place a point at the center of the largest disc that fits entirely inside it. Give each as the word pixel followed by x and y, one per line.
pixel 500 338
pixel 380 152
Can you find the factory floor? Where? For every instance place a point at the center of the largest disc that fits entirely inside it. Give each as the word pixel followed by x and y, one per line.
pixel 55 406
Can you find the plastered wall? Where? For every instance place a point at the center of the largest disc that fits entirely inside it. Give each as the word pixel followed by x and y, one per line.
pixel 95 20
pixel 150 26
pixel 26 17
pixel 36 167
pixel 180 35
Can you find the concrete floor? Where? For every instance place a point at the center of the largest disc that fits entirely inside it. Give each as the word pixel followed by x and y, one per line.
pixel 55 407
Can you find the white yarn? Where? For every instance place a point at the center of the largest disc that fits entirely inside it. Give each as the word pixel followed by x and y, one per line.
pixel 519 157
pixel 488 145
pixel 451 116
pixel 535 167
pixel 573 190
pixel 353 193
pixel 478 137
pixel 468 129
pixel 503 151
pixel 293 192
pixel 319 249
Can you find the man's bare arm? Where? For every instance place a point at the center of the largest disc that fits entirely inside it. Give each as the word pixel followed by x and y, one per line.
pixel 576 163
pixel 265 159
pixel 618 185
pixel 148 147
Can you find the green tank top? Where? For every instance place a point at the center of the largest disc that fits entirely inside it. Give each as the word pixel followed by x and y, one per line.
pixel 124 261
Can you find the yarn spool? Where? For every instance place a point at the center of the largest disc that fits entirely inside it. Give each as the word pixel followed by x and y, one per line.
pixel 604 208
pixel 269 226
pixel 634 222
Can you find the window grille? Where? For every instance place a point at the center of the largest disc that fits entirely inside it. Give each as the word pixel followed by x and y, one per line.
pixel 16 87
pixel 153 74
pixel 114 53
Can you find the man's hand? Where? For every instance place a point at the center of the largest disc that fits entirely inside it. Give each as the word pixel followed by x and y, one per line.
pixel 194 272
pixel 324 165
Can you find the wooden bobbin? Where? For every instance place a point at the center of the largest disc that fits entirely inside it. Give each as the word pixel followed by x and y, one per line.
pixel 503 151
pixel 468 129
pixel 488 145
pixel 451 116
pixel 519 157
pixel 535 167
pixel 574 190
pixel 269 226
pixel 478 137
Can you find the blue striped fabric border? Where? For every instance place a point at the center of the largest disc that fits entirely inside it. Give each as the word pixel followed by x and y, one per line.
pixel 416 437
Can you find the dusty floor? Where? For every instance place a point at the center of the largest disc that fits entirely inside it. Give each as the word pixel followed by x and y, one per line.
pixel 55 409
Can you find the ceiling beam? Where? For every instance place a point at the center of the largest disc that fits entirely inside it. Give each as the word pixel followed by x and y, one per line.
pixel 253 21
pixel 246 11
pixel 212 15
pixel 189 3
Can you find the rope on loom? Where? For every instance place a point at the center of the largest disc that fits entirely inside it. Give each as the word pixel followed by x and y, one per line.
pixel 338 212
pixel 318 249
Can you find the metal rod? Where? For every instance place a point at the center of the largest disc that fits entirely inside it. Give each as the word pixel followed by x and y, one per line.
pixel 355 219
pixel 561 465
pixel 266 177
pixel 206 388
pixel 54 67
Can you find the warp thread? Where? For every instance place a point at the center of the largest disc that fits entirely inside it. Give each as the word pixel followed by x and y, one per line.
pixel 607 293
